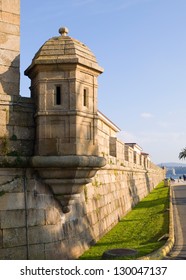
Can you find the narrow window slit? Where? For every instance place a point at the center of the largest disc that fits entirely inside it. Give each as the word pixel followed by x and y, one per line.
pixel 85 97
pixel 58 95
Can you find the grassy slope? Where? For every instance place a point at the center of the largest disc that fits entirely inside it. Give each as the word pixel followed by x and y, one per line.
pixel 140 229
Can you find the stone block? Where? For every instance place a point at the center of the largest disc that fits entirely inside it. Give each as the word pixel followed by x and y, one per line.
pixel 37 252
pixel 24 119
pixel 53 216
pixel 45 234
pixel 9 28
pixel 10 18
pixel 11 6
pixel 10 42
pixel 9 58
pixel 36 217
pixel 8 174
pixel 12 219
pixel 22 147
pixel 14 237
pixel 34 185
pixel 37 200
pixel 3 118
pixel 14 185
pixel 10 88
pixel 47 147
pixel 80 208
pixel 75 247
pixel 1 238
pixel 24 133
pixel 16 253
pixel 57 251
pixel 12 201
pixel 94 217
pixel 3 132
pixel 17 218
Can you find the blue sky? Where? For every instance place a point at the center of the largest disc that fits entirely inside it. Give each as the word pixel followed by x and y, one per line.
pixel 141 44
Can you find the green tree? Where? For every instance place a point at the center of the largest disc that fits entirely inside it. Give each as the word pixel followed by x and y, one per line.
pixel 182 154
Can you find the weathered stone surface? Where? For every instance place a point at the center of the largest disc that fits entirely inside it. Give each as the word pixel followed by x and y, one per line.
pixel 53 216
pixel 1 238
pixel 14 237
pixel 9 175
pixel 3 119
pixel 9 28
pixel 57 251
pixel 10 18
pixel 37 252
pixel 89 220
pixel 16 253
pixel 36 217
pixel 10 46
pixel 23 119
pixel 12 219
pixel 17 218
pixel 14 185
pixel 3 132
pixel 12 201
pixel 45 234
pixel 39 201
pixel 11 6
pixel 7 40
pixel 7 87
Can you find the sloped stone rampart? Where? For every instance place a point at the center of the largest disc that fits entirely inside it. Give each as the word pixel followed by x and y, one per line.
pixel 33 226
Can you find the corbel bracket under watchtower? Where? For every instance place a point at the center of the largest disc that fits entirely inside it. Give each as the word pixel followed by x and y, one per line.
pixel 66 175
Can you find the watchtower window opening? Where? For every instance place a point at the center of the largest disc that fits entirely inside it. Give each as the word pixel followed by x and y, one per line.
pixel 85 97
pixel 58 95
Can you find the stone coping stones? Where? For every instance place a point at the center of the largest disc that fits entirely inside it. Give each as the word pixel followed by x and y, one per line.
pixel 67 161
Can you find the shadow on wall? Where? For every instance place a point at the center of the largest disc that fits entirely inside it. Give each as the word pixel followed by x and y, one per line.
pixel 133 190
pixel 148 183
pixel 10 78
pixel 17 128
pixel 40 230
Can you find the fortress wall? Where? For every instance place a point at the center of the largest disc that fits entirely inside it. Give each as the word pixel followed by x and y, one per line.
pixel 9 46
pixel 32 224
pixel 16 113
pixel 17 127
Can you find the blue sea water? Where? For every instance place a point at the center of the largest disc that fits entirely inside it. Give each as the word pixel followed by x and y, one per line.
pixel 177 176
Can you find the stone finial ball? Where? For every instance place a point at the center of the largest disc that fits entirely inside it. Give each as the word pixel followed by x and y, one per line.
pixel 63 31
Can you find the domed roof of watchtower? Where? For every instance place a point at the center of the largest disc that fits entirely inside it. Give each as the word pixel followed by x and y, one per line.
pixel 64 50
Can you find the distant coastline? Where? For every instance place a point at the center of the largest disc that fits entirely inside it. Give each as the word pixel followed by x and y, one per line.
pixel 171 164
pixel 174 170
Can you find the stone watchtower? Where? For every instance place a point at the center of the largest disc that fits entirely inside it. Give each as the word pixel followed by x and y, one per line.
pixel 63 77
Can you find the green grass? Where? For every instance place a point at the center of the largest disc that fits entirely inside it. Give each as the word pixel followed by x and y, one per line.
pixel 140 229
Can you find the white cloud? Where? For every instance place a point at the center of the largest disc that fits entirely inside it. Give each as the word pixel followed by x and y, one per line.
pixel 146 115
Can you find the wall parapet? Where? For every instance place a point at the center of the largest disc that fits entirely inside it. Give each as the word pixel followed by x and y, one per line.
pixel 118 152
